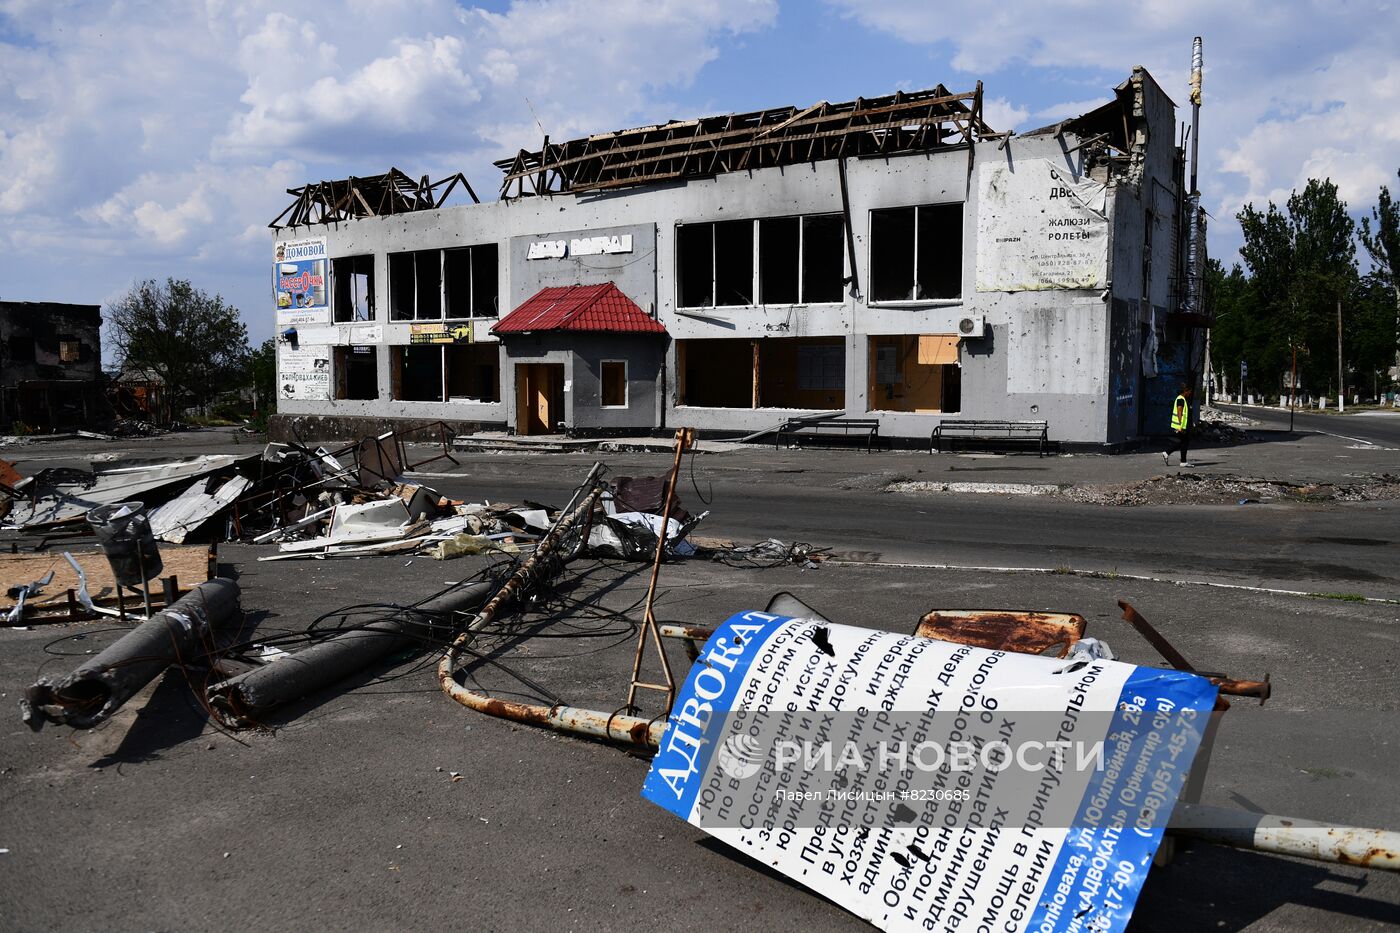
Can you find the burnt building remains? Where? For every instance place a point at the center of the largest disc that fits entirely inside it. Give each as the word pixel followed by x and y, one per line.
pixel 50 366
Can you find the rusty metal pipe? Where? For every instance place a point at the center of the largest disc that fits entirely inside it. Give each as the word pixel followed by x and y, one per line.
pixel 1285 835
pixel 630 730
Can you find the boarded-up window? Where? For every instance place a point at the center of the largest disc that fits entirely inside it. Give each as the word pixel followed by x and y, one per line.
pixel 916 253
pixel 352 282
pixel 613 377
pixel 915 373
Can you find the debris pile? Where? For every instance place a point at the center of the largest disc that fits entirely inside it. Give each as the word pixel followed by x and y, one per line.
pixel 1225 489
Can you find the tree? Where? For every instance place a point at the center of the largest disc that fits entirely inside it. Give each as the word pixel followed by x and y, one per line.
pixel 1382 242
pixel 1302 263
pixel 262 369
pixel 195 343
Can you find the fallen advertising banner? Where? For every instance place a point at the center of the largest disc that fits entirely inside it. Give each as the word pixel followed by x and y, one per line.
pixel 929 785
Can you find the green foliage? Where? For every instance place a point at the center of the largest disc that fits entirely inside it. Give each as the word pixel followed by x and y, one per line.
pixel 194 342
pixel 1302 263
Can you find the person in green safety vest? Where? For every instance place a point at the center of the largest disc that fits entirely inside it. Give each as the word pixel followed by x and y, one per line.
pixel 1181 424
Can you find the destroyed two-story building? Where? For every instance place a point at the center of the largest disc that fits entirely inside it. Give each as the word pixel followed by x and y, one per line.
pixel 50 366
pixel 892 258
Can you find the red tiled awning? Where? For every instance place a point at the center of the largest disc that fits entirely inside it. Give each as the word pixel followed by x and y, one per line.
pixel 592 308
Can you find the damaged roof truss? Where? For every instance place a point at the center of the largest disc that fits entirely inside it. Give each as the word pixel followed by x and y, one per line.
pixel 916 121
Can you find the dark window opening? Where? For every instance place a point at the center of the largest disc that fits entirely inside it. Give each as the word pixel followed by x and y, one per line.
pixel 823 258
pixel 916 253
pixel 716 373
pixel 695 265
pixel 352 278
pixel 734 262
pixel 613 379
pixel 778 247
pixel 457 282
pixel 21 349
pixel 402 290
pixel 427 271
pixel 356 373
pixel 485 286
pixel 779 372
pixel 416 374
pixel 474 372
pixel 940 251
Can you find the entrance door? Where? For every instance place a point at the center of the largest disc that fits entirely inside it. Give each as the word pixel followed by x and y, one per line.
pixel 539 397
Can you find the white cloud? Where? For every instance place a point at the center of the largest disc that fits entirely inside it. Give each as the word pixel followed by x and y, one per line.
pixel 146 139
pixel 1291 90
pixel 1001 115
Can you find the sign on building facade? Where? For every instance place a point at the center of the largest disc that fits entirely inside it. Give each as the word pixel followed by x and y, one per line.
pixel 1038 228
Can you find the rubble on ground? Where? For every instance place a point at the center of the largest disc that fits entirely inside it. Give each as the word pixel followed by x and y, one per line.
pixel 1226 489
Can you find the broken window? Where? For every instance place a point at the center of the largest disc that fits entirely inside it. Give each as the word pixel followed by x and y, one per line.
pixel 473 372
pixel 695 265
pixel 612 377
pixel 485 286
pixel 916 253
pixel 779 260
pixel 401 287
pixel 356 373
pixel 823 258
pixel 469 277
pixel 778 372
pixel 917 372
pixel 352 278
pixel 415 285
pixel 416 374
pixel 69 350
pixel 21 349
pixel 714 264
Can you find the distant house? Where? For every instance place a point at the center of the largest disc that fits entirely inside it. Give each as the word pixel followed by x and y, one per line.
pixel 50 365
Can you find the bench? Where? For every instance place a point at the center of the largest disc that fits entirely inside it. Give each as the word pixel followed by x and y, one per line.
pixel 869 428
pixel 991 432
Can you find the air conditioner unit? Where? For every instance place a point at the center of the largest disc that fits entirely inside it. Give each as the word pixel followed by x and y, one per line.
pixel 966 327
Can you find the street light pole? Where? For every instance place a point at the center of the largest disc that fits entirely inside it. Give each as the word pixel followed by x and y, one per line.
pixel 1293 390
pixel 1341 378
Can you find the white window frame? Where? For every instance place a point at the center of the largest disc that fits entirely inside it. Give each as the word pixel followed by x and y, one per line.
pixel 757 284
pixel 914 245
pixel 626 387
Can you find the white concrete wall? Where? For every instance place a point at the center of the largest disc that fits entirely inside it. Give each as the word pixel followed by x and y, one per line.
pixel 1043 355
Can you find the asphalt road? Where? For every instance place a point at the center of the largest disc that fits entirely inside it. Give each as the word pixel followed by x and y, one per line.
pixel 1374 427
pixel 348 816
pixel 1342 548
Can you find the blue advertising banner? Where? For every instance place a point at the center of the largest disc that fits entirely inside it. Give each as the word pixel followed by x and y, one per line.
pixel 928 785
pixel 301 282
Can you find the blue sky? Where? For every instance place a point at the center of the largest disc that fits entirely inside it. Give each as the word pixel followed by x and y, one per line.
pixel 152 139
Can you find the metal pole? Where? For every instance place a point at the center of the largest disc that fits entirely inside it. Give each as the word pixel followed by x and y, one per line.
pixel 684 438
pixel 1292 390
pixel 1341 378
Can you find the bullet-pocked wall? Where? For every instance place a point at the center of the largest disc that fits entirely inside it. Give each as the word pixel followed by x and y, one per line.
pixel 753 274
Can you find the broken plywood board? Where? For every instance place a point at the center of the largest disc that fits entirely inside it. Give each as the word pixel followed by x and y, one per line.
pixel 190 565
